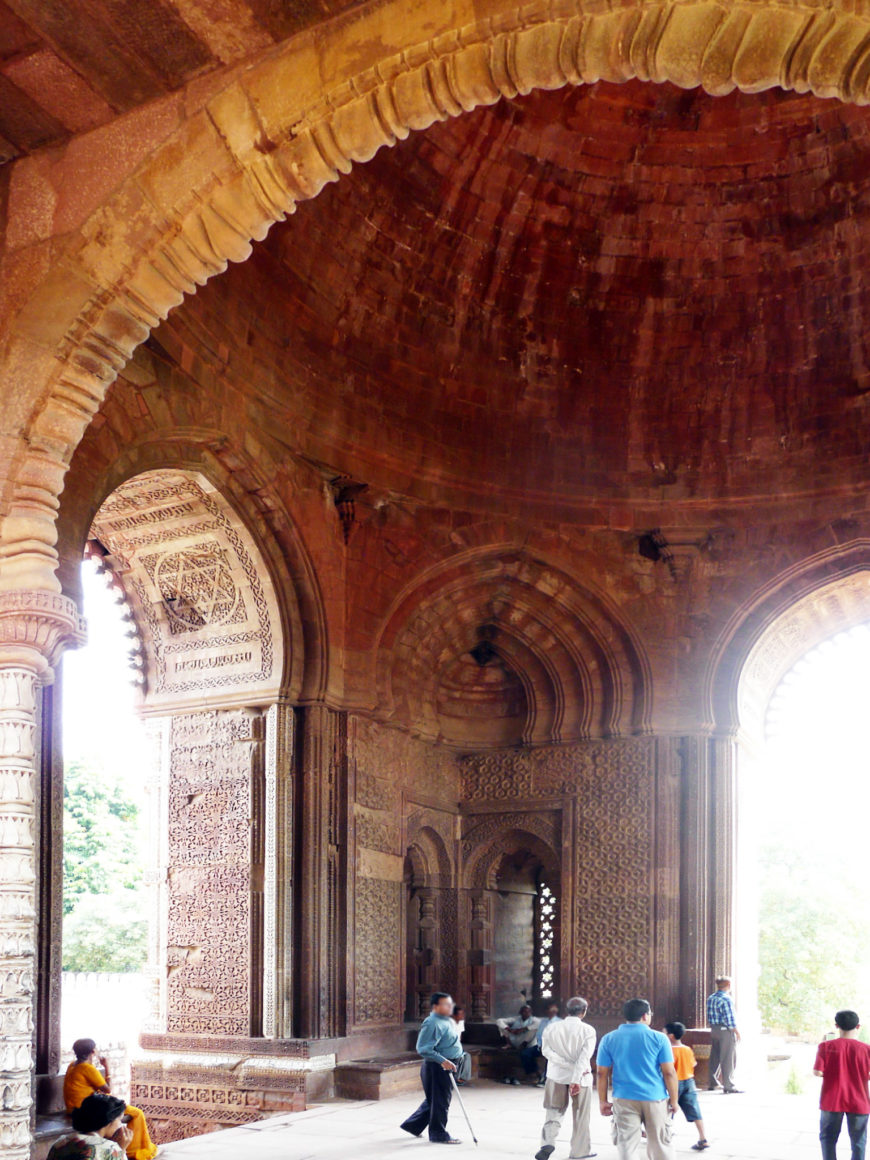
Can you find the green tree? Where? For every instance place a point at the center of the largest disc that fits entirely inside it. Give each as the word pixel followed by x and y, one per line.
pixel 100 836
pixel 813 942
pixel 106 932
pixel 104 929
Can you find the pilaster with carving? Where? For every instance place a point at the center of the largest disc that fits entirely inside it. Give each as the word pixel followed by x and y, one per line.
pixel 692 755
pixel 34 627
pixel 278 874
pixel 157 731
pixel 322 867
pixel 722 858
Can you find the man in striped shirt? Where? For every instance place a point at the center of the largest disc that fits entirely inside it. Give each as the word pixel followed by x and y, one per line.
pixel 724 1036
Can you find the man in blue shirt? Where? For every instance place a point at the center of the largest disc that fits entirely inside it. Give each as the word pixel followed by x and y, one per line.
pixel 724 1036
pixel 441 1051
pixel 640 1063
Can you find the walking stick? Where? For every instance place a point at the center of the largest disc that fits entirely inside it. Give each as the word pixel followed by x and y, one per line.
pixel 462 1105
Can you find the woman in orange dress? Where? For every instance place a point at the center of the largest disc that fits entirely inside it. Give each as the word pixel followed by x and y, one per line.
pixel 84 1077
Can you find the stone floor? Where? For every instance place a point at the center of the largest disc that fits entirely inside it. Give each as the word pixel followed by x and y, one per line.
pixel 764 1125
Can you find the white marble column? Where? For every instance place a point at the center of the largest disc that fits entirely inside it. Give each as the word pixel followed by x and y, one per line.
pixel 34 627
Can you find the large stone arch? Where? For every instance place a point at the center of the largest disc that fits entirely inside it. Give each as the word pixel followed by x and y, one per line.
pixel 277 132
pixel 796 611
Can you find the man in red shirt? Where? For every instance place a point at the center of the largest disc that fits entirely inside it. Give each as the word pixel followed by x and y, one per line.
pixel 844 1065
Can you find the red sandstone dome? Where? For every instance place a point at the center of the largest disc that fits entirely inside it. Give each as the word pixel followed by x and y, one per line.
pixel 595 293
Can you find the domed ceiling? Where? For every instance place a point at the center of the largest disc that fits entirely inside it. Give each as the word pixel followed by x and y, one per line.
pixel 602 293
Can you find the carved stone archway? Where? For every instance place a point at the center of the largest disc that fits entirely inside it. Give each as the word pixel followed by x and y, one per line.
pixel 269 139
pixel 430 915
pixel 800 609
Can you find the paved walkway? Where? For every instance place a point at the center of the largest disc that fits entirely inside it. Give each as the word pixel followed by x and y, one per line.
pixel 763 1125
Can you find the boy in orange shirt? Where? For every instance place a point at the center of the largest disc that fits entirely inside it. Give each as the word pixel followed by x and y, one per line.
pixel 684 1064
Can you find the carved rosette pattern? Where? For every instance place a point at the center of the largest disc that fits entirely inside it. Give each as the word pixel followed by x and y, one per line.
pixel 34 626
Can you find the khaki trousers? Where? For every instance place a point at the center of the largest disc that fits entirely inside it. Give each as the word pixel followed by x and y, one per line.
pixel 556 1099
pixel 632 1115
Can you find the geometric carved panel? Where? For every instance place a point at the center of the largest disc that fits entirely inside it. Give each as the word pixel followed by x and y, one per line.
pixel 196 583
pixel 377 951
pixel 613 785
pixel 209 873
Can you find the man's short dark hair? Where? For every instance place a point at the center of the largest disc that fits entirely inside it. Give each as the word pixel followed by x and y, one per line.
pixel 675 1028
pixel 437 996
pixel 723 979
pixel 577 1006
pixel 635 1009
pixel 83 1049
pixel 847 1020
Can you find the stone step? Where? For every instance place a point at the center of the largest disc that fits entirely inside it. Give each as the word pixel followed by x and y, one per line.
pixel 383 1076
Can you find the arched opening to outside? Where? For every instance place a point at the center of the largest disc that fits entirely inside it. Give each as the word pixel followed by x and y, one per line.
pixel 172 734
pixel 104 928
pixel 814 795
pixel 801 946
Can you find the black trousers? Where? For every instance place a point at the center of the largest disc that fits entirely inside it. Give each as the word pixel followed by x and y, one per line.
pixel 432 1113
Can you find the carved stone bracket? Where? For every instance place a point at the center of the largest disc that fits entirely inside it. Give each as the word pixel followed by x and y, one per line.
pixel 35 627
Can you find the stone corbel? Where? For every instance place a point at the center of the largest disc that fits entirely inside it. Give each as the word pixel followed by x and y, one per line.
pixel 35 628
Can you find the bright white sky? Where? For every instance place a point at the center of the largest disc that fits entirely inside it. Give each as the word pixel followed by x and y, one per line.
pixel 100 724
pixel 818 780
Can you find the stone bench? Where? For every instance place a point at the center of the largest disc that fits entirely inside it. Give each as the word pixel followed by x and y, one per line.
pixel 383 1076
pixel 48 1128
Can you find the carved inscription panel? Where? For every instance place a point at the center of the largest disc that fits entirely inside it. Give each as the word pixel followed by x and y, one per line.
pixel 197 584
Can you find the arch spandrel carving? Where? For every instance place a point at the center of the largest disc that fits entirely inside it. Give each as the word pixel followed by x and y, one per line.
pixel 485 842
pixel 202 598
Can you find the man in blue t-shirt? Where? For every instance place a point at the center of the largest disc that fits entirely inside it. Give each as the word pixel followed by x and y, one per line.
pixel 640 1063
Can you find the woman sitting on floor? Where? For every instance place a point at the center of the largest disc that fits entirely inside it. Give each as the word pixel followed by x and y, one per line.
pixel 83 1078
pixel 98 1132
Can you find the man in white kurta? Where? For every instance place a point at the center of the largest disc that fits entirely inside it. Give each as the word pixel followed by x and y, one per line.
pixel 568 1046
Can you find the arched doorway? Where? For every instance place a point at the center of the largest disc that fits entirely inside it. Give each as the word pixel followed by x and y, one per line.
pixel 821 598
pixel 525 950
pixel 216 693
pixel 429 918
pixel 515 909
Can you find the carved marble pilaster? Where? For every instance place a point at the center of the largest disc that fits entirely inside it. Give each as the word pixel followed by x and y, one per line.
pixel 34 627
